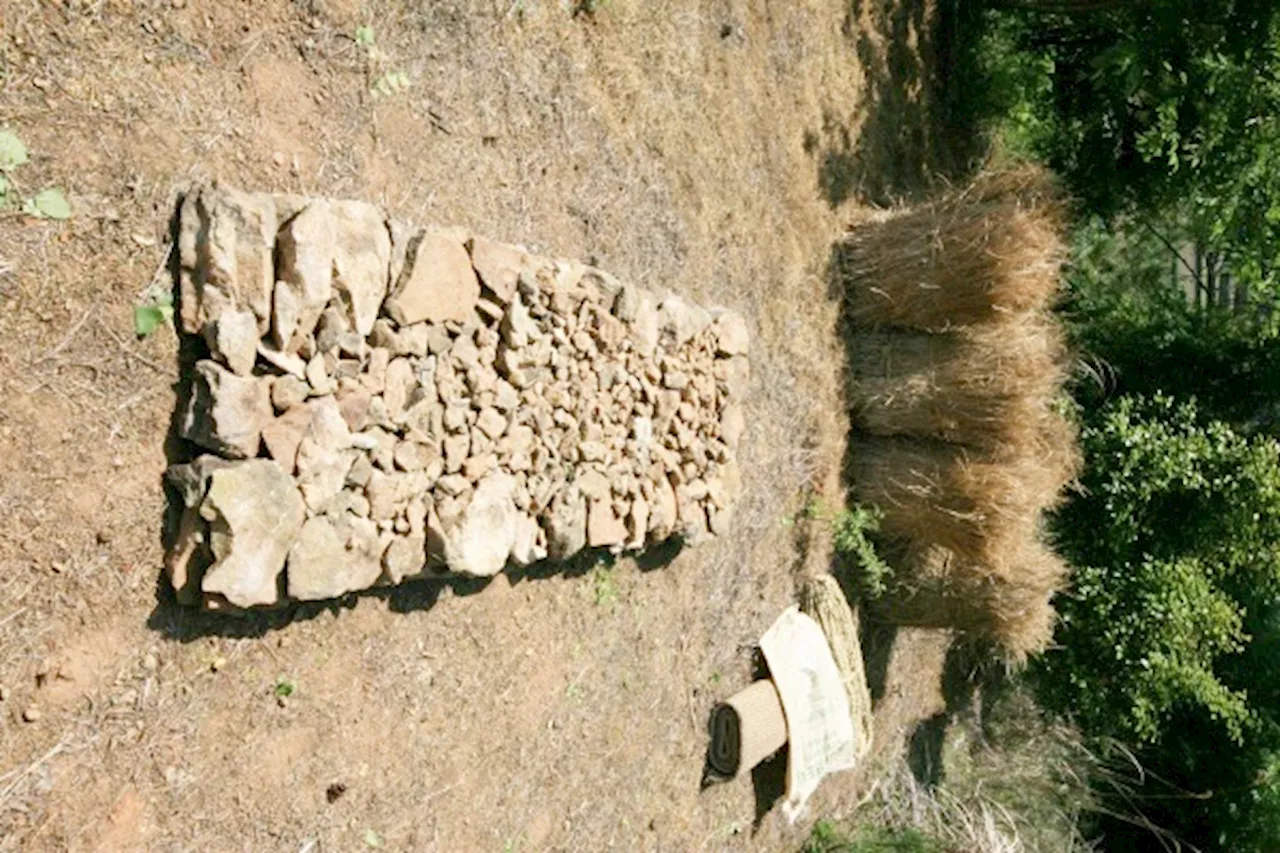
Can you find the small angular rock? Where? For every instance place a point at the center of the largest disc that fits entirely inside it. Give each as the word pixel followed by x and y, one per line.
pixel 438 283
pixel 226 413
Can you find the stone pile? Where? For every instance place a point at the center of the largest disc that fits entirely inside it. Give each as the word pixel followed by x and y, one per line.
pixel 380 402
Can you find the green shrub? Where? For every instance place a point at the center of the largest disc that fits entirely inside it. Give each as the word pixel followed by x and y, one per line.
pixel 1169 639
pixel 849 531
pixel 1176 537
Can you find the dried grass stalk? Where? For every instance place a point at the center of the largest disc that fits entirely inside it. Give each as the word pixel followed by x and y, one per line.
pixel 940 494
pixel 989 251
pixel 1007 601
pixel 983 387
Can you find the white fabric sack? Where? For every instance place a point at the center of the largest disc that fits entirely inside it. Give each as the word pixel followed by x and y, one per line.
pixel 819 727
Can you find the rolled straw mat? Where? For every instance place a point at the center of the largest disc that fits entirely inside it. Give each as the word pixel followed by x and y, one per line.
pixel 747 729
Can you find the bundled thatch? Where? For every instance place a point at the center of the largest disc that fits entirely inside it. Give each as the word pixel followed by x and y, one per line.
pixel 1008 600
pixel 984 387
pixel 956 367
pixel 822 600
pixel 935 493
pixel 975 256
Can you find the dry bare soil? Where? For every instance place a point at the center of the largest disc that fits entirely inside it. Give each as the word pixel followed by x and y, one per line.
pixel 715 148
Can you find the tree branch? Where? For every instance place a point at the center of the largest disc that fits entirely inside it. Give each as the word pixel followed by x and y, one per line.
pixel 1168 245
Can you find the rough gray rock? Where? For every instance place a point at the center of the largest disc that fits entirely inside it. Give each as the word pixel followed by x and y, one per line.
pixel 254 514
pixel 330 559
pixel 226 413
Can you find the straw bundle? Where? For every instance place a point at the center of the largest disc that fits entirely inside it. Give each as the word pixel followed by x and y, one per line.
pixel 975 256
pixel 984 387
pixel 935 493
pixel 1007 601
pixel 956 368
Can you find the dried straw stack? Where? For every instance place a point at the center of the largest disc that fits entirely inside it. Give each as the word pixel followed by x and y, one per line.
pixel 956 367
pixel 972 257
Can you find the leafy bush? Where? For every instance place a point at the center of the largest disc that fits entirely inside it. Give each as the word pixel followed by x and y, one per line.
pixel 1170 637
pixel 850 529
pixel 1176 537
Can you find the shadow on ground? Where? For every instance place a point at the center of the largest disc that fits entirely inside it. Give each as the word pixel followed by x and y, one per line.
pixel 183 623
pixel 913 128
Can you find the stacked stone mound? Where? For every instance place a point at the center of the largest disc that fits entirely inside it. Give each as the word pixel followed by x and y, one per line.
pixel 380 402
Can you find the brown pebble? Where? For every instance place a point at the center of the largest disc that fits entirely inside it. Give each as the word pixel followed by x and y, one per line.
pixel 30 715
pixel 218 663
pixel 104 537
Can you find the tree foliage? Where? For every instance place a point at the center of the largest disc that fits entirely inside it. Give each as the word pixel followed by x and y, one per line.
pixel 1169 639
pixel 1165 107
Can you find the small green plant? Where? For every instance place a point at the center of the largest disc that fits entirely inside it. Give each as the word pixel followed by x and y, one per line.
pixel 49 203
pixel 391 84
pixel 155 310
pixel 849 530
pixel 284 687
pixel 383 83
pixel 603 586
pixel 589 7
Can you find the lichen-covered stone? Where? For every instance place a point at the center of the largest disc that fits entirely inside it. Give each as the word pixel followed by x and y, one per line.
pixel 254 513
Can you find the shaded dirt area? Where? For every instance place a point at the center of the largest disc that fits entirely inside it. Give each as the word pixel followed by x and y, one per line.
pixel 671 142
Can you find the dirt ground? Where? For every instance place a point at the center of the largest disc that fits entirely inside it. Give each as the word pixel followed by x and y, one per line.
pixel 715 148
